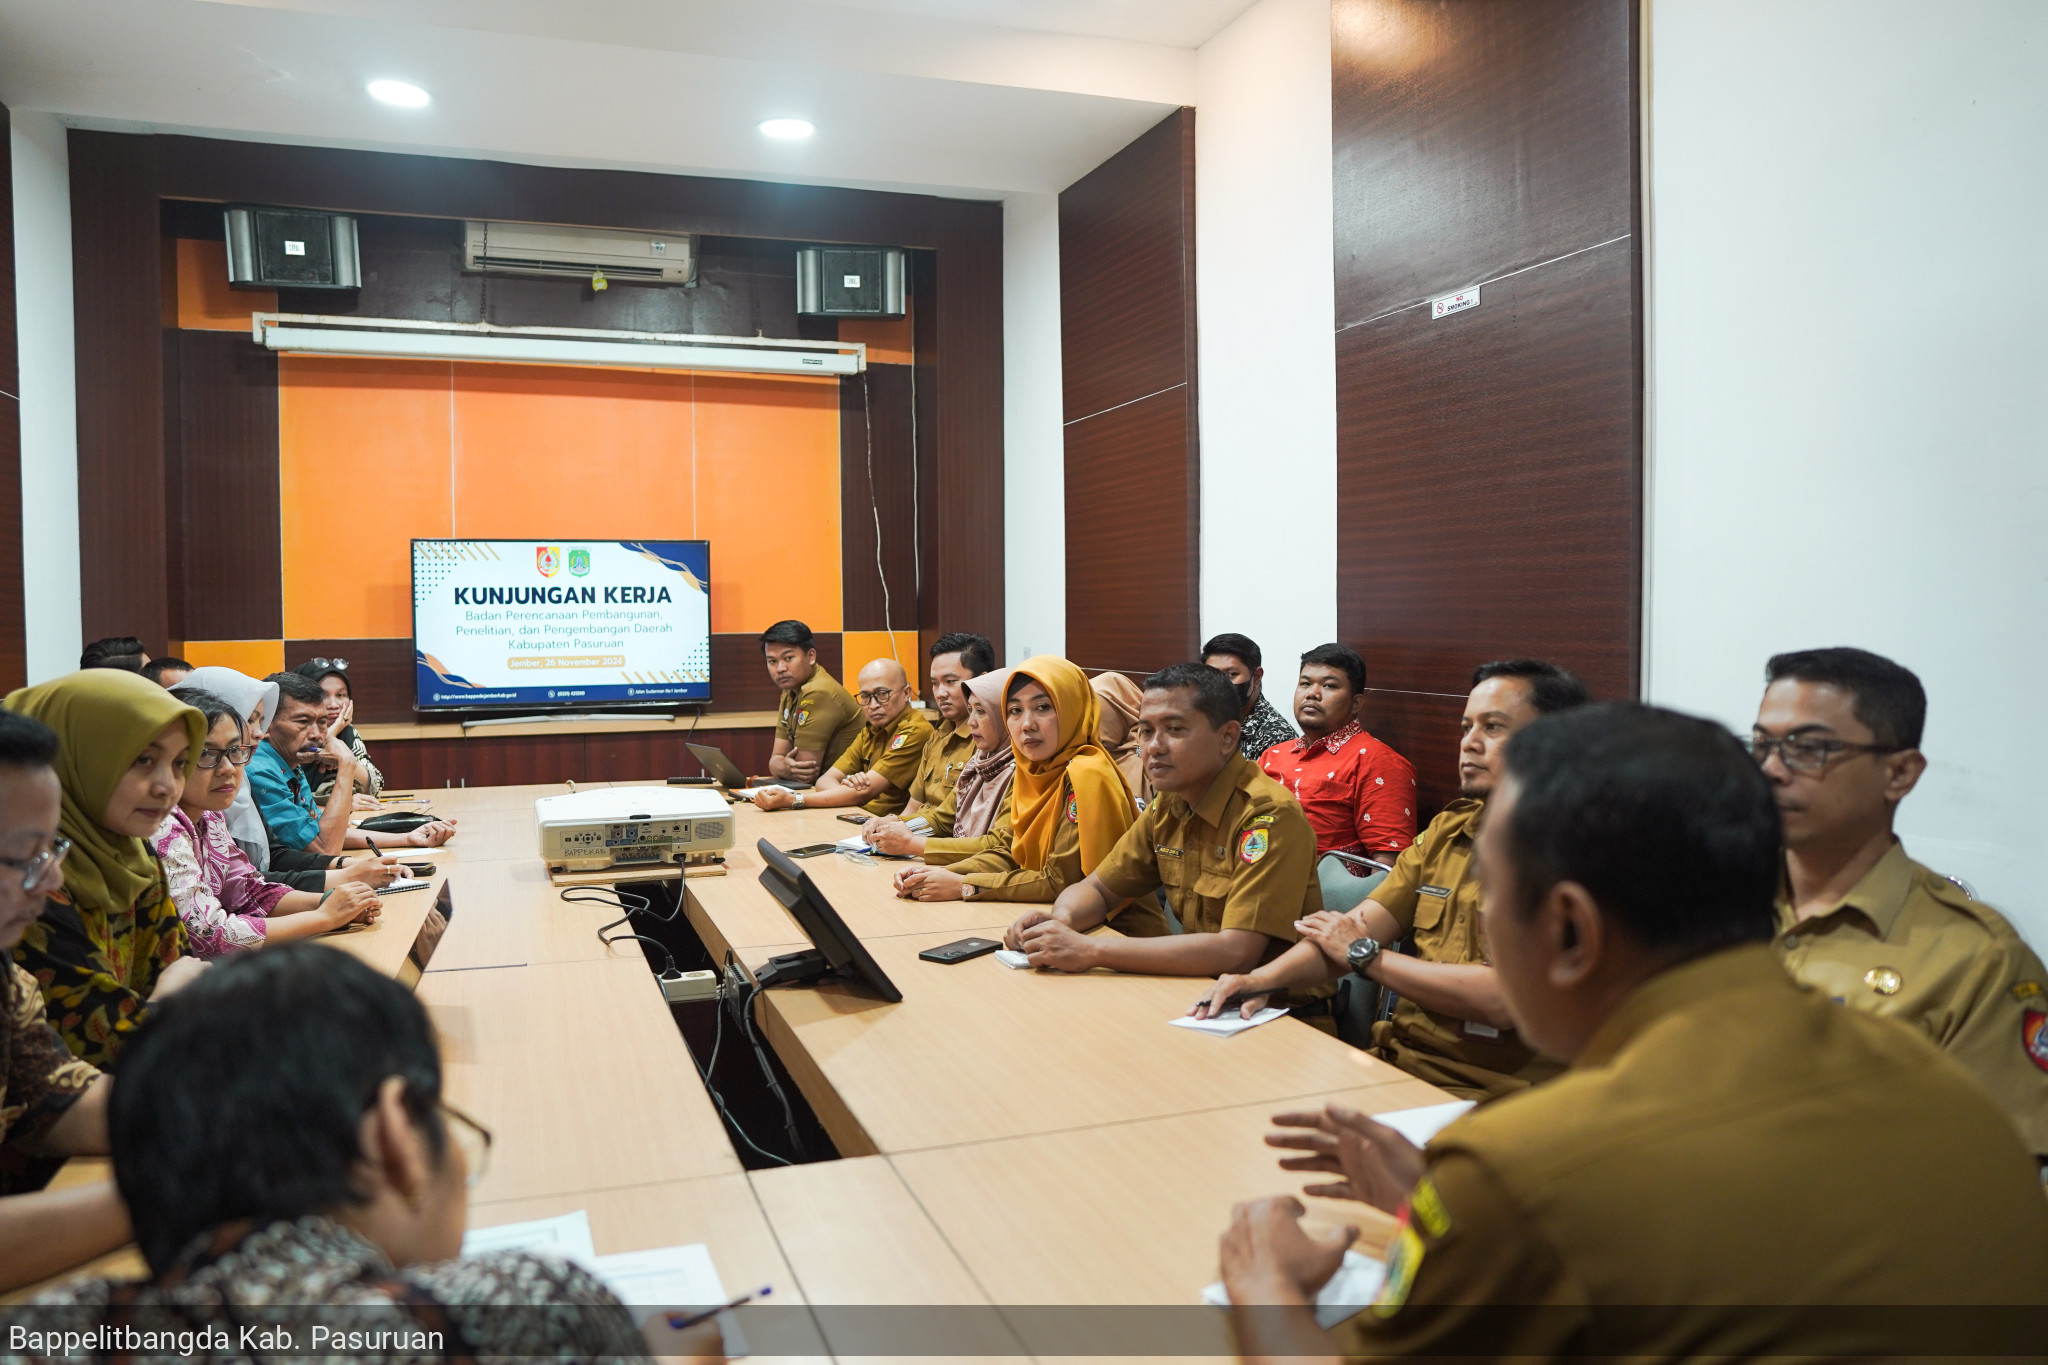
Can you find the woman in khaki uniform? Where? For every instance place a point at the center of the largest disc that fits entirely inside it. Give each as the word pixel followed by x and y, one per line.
pixel 1069 804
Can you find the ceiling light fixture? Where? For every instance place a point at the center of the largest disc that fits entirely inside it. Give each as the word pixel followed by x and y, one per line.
pixel 400 93
pixel 787 129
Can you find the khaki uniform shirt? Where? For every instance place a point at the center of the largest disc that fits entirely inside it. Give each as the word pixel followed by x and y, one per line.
pixel 819 717
pixel 1243 857
pixel 1433 895
pixel 1910 944
pixel 1725 1141
pixel 938 772
pixel 995 875
pixel 891 752
pixel 952 848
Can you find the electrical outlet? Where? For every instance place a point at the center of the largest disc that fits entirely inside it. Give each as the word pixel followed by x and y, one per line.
pixel 682 988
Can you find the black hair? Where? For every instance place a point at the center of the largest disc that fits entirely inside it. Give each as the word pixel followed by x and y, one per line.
pixel 319 673
pixel 1236 646
pixel 116 651
pixel 212 705
pixel 155 669
pixel 1551 689
pixel 1884 695
pixel 787 633
pixel 26 742
pixel 1215 695
pixel 207 1129
pixel 1665 819
pixel 1337 656
pixel 298 687
pixel 977 655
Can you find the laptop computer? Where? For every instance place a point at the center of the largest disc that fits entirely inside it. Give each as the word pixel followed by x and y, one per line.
pixel 728 774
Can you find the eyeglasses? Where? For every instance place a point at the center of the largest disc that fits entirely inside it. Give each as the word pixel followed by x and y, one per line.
pixel 236 756
pixel 341 664
pixel 1810 753
pixel 472 1139
pixel 876 697
pixel 42 871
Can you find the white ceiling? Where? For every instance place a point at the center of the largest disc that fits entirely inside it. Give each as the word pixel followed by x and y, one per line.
pixel 965 97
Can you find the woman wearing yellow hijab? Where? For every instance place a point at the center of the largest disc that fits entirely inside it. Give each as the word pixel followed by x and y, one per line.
pixel 102 947
pixel 1068 803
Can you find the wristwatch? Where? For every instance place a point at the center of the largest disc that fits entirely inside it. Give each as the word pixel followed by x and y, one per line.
pixel 1362 953
pixel 799 800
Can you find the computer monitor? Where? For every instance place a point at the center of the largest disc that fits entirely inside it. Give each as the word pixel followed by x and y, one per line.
pixel 834 949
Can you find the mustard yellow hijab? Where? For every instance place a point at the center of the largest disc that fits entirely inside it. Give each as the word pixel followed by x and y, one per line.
pixel 104 719
pixel 1102 800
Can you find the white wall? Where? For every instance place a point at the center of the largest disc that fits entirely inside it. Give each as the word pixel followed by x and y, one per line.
pixel 49 413
pixel 1034 469
pixel 1265 293
pixel 1848 435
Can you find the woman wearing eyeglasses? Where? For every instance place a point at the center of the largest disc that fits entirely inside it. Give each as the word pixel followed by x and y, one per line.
pixel 226 904
pixel 321 1180
pixel 110 939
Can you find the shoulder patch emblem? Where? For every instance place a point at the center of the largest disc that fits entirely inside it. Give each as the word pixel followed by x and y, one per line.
pixel 1404 1258
pixel 1252 846
pixel 1073 810
pixel 897 742
pixel 1426 1206
pixel 1262 820
pixel 1883 980
pixel 803 715
pixel 2034 1037
pixel 2027 990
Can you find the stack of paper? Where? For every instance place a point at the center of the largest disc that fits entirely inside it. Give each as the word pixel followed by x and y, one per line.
pixel 677 1277
pixel 1348 1293
pixel 1227 1023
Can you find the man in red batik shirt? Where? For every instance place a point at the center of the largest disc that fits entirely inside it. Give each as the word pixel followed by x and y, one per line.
pixel 1357 793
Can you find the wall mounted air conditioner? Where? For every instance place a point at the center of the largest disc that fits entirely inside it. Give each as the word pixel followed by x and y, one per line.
pixel 541 249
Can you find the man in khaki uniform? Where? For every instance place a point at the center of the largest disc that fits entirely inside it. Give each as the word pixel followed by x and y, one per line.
pixel 875 770
pixel 1449 1025
pixel 955 659
pixel 1838 736
pixel 817 718
pixel 1731 1168
pixel 1229 846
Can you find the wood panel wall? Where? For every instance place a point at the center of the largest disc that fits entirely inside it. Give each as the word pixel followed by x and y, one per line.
pixel 1489 465
pixel 13 634
pixel 1133 465
pixel 178 433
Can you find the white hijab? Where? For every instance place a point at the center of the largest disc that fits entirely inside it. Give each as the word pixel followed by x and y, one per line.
pixel 246 695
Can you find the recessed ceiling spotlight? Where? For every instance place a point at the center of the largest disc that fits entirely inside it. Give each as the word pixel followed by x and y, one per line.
pixel 400 93
pixel 787 129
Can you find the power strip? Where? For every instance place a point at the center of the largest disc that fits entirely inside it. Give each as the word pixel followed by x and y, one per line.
pixel 684 988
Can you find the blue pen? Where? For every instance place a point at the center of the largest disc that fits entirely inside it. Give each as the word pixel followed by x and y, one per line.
pixel 684 1323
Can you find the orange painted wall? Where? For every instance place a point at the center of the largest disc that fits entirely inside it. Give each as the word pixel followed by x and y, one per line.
pixel 376 453
pixel 203 297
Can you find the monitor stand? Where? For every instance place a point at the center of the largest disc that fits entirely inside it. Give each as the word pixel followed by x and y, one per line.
pixel 793 969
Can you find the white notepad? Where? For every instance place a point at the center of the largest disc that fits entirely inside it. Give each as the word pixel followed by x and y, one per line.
pixel 1228 1023
pixel 1348 1293
pixel 1421 1124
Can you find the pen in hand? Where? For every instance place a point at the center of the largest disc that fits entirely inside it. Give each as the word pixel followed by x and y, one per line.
pixel 681 1323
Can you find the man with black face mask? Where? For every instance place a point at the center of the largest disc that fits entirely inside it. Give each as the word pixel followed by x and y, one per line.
pixel 1238 658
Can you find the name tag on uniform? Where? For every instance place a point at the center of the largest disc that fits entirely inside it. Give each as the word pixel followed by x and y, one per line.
pixel 1433 891
pixel 1166 852
pixel 1479 1030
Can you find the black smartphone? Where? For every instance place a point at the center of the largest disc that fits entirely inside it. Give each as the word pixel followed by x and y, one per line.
pixel 810 850
pixel 419 869
pixel 853 817
pixel 960 950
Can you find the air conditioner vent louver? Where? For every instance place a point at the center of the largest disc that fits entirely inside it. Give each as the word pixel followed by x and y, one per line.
pixel 544 249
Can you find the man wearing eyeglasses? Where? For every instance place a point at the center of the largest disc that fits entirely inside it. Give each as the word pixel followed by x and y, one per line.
pixel 875 771
pixel 1838 735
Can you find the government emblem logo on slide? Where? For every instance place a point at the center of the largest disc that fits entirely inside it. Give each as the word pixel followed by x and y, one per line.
pixel 548 559
pixel 579 563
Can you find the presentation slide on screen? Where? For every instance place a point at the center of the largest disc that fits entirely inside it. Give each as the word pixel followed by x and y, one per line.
pixel 559 623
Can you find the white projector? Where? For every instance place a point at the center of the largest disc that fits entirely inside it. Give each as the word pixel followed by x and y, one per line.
pixel 631 827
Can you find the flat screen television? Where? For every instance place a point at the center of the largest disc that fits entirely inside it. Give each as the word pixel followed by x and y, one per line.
pixel 547 625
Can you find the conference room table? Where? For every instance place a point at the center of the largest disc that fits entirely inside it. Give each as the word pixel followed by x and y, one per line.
pixel 1009 1139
